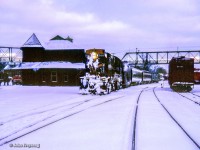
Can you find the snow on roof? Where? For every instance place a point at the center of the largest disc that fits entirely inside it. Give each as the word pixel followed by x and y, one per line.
pixel 7 67
pixel 10 65
pixel 56 43
pixel 32 42
pixel 60 45
pixel 45 65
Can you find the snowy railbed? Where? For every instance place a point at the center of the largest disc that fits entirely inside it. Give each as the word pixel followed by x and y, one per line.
pixel 184 111
pixel 73 121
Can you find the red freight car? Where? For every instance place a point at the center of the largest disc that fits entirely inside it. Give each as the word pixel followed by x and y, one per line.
pixel 181 74
pixel 197 76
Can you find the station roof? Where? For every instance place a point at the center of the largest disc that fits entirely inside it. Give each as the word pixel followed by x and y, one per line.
pixel 56 43
pixel 32 42
pixel 49 65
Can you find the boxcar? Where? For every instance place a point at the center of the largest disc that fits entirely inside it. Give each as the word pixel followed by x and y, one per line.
pixel 181 74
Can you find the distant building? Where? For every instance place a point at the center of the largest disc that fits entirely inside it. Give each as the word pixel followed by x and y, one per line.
pixel 55 63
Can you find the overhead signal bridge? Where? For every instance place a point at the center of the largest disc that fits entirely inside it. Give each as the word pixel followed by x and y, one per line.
pixel 158 57
pixel 10 54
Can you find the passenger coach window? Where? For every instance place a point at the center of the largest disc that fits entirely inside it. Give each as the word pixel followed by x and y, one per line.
pixel 53 76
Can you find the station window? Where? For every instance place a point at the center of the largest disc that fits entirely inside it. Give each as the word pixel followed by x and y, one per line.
pixel 43 76
pixel 65 77
pixel 53 76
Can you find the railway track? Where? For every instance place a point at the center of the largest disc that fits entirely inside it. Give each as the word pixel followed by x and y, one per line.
pixel 51 119
pixel 195 98
pixel 36 114
pixel 176 121
pixel 135 120
pixel 195 94
pixel 54 112
pixel 37 111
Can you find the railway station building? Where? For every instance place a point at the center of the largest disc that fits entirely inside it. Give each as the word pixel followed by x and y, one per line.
pixel 55 63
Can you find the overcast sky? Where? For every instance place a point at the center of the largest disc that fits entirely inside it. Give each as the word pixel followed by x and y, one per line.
pixel 115 25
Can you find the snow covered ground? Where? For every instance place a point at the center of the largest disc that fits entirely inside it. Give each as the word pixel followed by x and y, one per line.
pixel 58 118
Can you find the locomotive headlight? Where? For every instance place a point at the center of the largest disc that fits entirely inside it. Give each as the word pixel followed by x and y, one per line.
pixel 94 55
